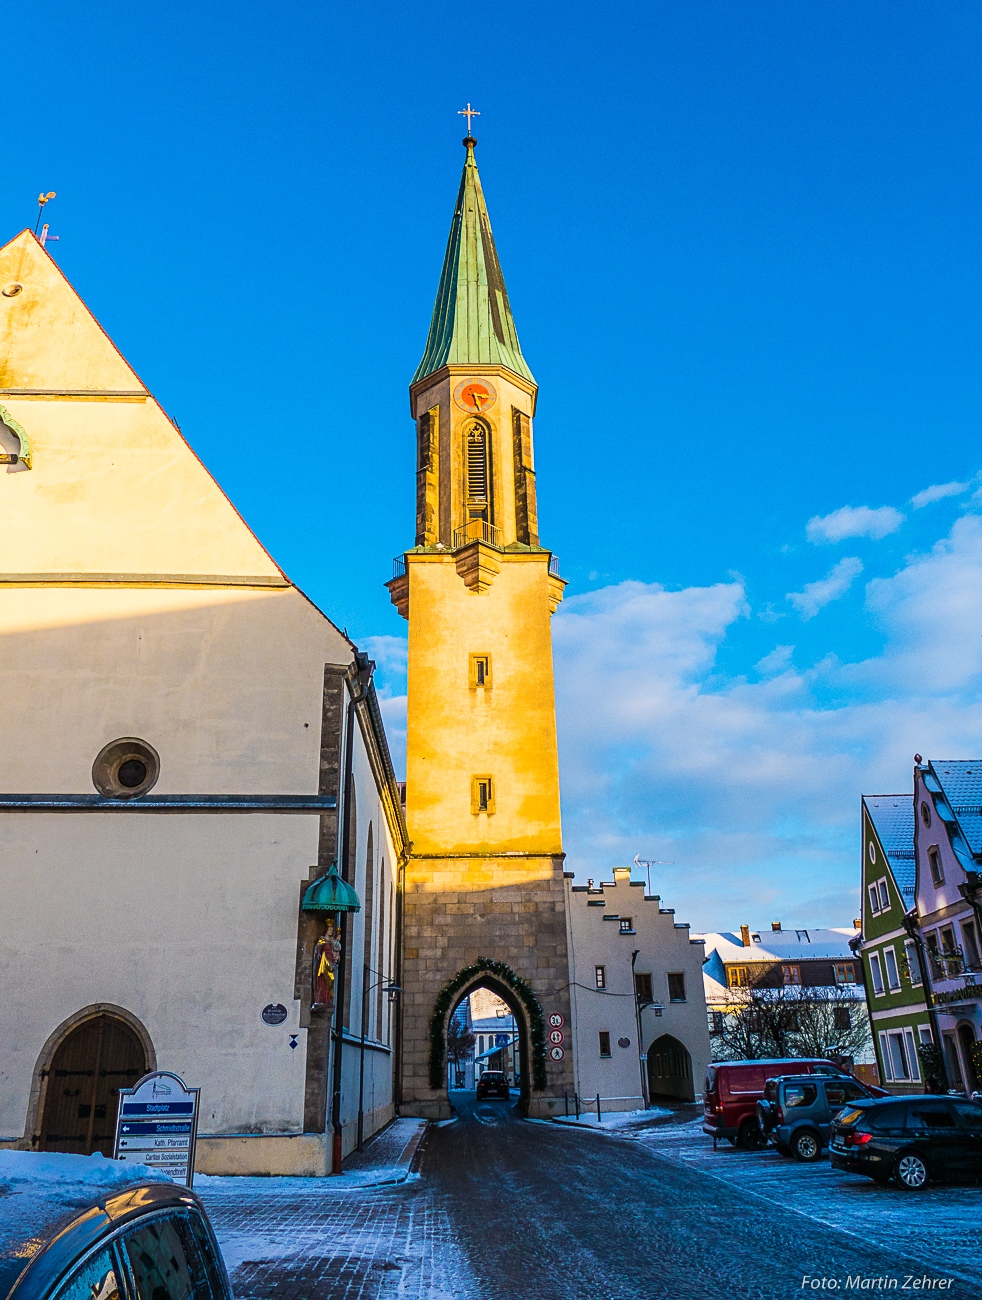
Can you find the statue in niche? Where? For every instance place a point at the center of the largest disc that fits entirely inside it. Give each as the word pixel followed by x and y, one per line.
pixel 327 954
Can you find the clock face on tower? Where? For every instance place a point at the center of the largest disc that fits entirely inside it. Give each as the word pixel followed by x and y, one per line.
pixel 474 395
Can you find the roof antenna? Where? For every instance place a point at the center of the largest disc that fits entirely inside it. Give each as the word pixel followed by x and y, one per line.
pixel 42 200
pixel 655 862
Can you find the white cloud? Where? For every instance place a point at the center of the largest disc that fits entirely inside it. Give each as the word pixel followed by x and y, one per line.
pixel 937 493
pixel 751 787
pixel 391 655
pixel 778 661
pixel 836 583
pixel 854 521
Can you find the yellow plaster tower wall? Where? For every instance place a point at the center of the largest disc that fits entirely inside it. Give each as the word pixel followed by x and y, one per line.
pixel 480 884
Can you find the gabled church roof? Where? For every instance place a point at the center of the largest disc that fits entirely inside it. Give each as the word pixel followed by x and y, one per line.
pixel 472 321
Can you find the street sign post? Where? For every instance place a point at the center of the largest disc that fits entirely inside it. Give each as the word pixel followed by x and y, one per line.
pixel 157 1125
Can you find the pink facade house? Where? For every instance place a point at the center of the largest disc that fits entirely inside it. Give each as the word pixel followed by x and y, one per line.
pixel 948 851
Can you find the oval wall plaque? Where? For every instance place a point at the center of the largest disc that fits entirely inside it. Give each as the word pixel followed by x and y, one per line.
pixel 274 1014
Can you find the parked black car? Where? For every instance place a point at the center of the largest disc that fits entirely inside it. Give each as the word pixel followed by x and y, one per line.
pixel 914 1140
pixel 796 1111
pixel 492 1083
pixel 139 1241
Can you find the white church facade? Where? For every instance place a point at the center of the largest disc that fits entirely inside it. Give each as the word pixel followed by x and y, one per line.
pixel 188 743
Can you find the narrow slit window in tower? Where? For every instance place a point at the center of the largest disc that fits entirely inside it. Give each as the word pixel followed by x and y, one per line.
pixel 482 794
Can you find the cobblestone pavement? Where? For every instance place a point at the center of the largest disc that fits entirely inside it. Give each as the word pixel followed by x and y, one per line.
pixel 537 1212
pixel 882 1214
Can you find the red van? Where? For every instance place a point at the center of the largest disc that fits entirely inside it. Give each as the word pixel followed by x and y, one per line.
pixel 733 1089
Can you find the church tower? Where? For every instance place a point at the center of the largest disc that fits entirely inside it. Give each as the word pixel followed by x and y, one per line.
pixel 483 892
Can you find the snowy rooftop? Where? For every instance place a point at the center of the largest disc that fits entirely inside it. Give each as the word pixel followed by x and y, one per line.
pixel 892 816
pixel 961 785
pixel 781 945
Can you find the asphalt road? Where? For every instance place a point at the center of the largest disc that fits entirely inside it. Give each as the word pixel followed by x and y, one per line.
pixel 546 1213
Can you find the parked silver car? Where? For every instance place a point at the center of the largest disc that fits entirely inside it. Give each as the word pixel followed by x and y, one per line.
pixel 797 1110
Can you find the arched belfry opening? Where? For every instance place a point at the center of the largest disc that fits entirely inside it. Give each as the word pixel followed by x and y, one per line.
pixel 670 1069
pixel 479 497
pixel 96 1057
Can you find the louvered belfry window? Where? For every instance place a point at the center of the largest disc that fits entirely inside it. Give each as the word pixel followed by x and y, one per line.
pixel 478 470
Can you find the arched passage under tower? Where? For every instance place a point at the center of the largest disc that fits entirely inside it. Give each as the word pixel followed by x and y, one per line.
pixel 516 1041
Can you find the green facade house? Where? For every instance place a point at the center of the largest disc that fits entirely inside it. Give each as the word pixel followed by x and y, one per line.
pixel 889 945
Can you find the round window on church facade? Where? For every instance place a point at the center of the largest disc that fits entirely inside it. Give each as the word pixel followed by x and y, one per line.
pixel 126 768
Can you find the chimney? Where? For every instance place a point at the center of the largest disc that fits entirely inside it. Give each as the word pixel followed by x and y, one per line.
pixel 745 935
pixel 776 925
pixel 622 873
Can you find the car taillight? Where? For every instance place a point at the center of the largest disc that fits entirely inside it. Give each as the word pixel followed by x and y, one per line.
pixel 858 1139
pixel 780 1115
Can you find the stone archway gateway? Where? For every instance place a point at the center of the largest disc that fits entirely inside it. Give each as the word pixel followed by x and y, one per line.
pixel 670 1069
pixel 93 1060
pixel 521 999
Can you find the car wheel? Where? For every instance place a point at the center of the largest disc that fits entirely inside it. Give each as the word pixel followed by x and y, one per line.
pixel 911 1171
pixel 750 1138
pixel 805 1146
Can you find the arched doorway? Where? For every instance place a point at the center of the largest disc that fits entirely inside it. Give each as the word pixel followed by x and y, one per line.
pixel 91 1063
pixel 670 1069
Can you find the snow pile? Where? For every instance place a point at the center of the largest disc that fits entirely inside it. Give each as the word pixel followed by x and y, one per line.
pixel 40 1191
pixel 615 1119
pixel 58 1168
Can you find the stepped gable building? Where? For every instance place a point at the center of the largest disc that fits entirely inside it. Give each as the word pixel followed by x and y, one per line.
pixel 639 1009
pixel 188 743
pixel 484 899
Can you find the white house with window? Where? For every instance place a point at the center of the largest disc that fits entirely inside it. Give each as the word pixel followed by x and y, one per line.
pixel 637 999
pixel 818 960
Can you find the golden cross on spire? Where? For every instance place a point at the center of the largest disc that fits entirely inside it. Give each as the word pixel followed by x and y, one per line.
pixel 468 112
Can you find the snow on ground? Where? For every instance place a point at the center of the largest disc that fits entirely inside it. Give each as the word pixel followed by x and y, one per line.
pixel 611 1121
pixel 386 1159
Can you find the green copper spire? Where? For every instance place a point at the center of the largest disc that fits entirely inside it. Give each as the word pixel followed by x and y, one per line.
pixel 472 321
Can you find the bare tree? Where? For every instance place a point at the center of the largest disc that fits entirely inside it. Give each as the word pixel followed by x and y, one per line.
pixel 790 1020
pixel 460 1041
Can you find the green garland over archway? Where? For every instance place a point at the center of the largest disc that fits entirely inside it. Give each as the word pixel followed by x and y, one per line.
pixel 519 986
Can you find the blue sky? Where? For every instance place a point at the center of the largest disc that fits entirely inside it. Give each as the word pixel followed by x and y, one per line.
pixel 742 243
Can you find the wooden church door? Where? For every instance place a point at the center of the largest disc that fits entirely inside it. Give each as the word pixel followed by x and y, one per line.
pixel 89 1067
